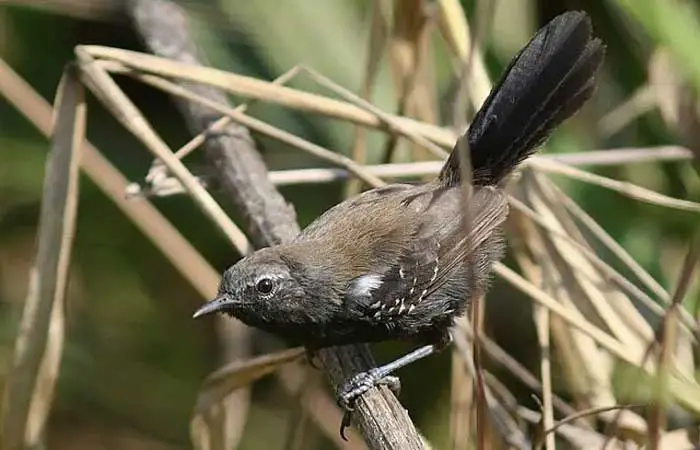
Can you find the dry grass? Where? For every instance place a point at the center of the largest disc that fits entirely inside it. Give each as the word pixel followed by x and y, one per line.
pixel 586 313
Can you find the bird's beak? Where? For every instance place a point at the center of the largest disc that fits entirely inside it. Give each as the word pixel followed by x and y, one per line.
pixel 216 305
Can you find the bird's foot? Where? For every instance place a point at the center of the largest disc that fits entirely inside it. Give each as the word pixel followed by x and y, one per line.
pixel 358 385
pixel 363 382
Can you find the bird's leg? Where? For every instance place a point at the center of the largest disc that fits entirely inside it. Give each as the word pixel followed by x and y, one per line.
pixel 364 381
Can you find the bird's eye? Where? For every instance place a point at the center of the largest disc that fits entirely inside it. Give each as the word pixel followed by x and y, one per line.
pixel 264 286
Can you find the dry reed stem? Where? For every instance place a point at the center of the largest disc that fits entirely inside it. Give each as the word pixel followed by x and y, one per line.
pixel 265 128
pixel 480 404
pixel 30 387
pixel 684 390
pixel 543 329
pixel 221 124
pixel 412 69
pixel 393 125
pixel 499 421
pixel 545 268
pixel 376 47
pixel 624 188
pixel 165 185
pixel 501 357
pixel 254 88
pixel 606 270
pixel 616 249
pixel 176 249
pixel 424 168
pixel 319 104
pixel 666 340
pixel 582 276
pixel 453 26
pixel 114 99
pixel 454 29
pixel 461 402
pixel 471 62
pixel 400 125
pixel 237 374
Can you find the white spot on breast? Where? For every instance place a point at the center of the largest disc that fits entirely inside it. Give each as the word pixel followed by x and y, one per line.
pixel 364 285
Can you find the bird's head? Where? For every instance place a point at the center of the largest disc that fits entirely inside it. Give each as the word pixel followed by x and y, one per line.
pixel 266 289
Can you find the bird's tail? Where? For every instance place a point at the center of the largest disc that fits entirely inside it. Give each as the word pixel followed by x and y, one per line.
pixel 546 83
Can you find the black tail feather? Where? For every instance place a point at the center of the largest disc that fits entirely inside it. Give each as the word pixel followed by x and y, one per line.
pixel 546 83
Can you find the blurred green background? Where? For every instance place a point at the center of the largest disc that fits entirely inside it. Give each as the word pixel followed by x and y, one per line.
pixel 134 359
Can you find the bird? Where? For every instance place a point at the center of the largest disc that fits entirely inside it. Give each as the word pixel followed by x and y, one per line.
pixel 403 261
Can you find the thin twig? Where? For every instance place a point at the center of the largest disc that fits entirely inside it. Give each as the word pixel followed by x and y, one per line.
pixel 589 412
pixel 262 90
pixel 170 186
pixel 107 90
pixel 500 356
pixel 264 128
pixel 666 339
pixel 29 390
pixel 687 270
pixel 616 249
pixel 376 47
pixel 542 326
pixel 501 422
pixel 393 125
pixel 219 127
pixel 604 267
pixel 686 391
pixel 624 188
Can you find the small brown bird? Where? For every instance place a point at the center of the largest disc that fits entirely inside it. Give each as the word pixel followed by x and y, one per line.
pixel 398 262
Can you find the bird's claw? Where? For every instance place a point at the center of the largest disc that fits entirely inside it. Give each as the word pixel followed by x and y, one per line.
pixel 363 382
pixel 358 385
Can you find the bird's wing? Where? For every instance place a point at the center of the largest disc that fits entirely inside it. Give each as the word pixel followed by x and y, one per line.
pixel 445 241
